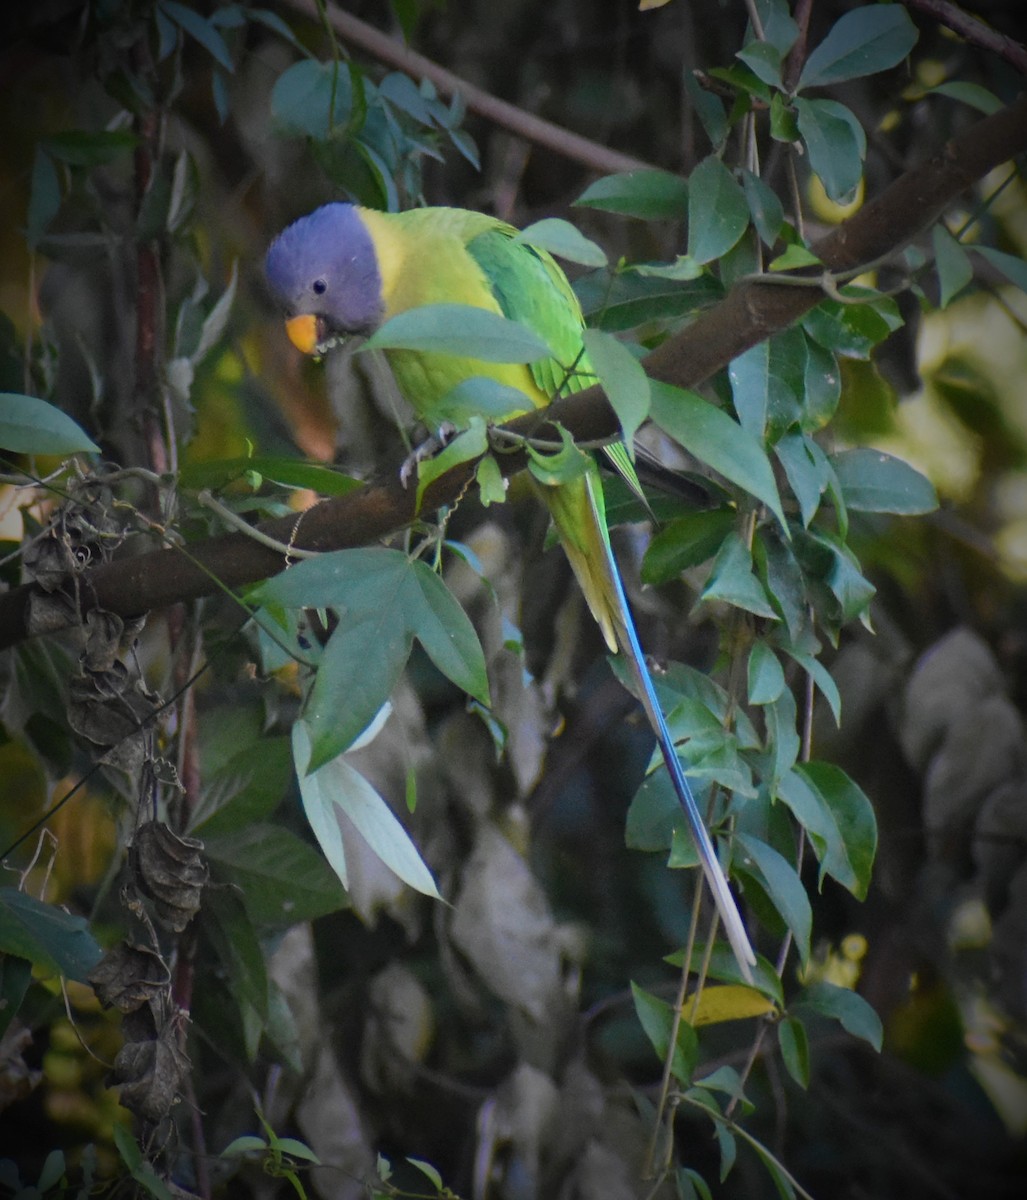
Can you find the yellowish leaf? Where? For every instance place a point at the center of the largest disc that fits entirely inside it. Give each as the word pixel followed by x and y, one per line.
pixel 727 1002
pixel 645 5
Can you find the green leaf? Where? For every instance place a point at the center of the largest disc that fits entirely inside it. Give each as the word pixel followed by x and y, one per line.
pixel 247 1144
pixel 428 1171
pixel 869 39
pixel 836 143
pixel 872 481
pixel 822 387
pixel 828 560
pixel 199 28
pixel 845 1006
pixel 629 299
pixel 312 99
pixel 795 256
pixel 791 1037
pixel 685 542
pixel 764 207
pixel 784 887
pixel 852 836
pixel 766 678
pixel 647 194
pixel 472 443
pixel 479 396
pixel 227 924
pixel 247 787
pixel 462 330
pixel 1014 269
pixel 89 148
pixel 764 60
pixel 32 426
pixel 337 785
pixel 46 935
pixel 289 472
pixel 807 468
pixel 718 212
pixel 385 601
pixel 622 377
pixel 281 878
pixel 656 1017
pixel 969 93
pixel 709 109
pixel 564 240
pixel 732 580
pixel 715 439
pixel 952 264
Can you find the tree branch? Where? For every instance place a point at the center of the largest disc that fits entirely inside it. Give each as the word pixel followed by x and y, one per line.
pixel 751 312
pixel 973 30
pixel 593 155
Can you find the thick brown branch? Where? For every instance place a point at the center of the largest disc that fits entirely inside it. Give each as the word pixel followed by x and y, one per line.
pixel 749 313
pixel 593 155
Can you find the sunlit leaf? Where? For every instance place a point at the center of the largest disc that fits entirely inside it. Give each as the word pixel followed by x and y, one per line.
pixel 462 330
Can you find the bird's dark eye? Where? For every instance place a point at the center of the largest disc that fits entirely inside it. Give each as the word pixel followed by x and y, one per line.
pixel 320 286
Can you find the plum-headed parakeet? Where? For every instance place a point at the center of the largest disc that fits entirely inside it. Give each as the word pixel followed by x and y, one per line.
pixel 343 270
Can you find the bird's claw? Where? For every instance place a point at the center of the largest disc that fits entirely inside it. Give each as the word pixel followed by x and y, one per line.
pixel 427 449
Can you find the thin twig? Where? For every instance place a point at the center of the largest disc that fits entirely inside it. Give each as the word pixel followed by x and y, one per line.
pixel 515 120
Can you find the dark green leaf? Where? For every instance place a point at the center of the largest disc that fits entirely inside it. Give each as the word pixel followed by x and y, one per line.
pixel 230 929
pixel 282 879
pixel 630 298
pixel 764 207
pixel 656 1017
pixel 872 481
pixel 202 30
pixel 969 93
pixel 836 143
pixel 709 108
pixel 624 381
pixel 289 472
pixel 312 99
pixel 764 60
pixel 766 678
pixel 32 426
pixel 952 264
pixel 732 580
pixel 847 1007
pixel 650 195
pixel 385 601
pixel 852 843
pixel 869 39
pixel 807 469
pixel 718 212
pixel 1014 269
pixel 715 439
pixel 89 148
pixel 784 887
pixel 791 1037
pixel 46 935
pixel 685 542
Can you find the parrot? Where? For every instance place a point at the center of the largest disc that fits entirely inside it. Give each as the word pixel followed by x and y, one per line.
pixel 341 271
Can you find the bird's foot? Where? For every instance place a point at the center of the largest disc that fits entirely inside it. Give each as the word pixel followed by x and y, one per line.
pixel 427 449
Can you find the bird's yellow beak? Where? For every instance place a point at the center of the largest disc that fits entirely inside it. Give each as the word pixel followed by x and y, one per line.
pixel 303 333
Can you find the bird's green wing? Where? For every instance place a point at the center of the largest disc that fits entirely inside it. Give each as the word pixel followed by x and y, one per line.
pixel 530 288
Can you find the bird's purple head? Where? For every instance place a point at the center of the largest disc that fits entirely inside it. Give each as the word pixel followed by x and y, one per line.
pixel 324 267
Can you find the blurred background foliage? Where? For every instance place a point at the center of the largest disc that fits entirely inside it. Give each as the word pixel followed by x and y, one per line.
pixel 378 1035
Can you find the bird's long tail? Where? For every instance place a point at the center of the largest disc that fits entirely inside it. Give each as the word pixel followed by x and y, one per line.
pixel 579 515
